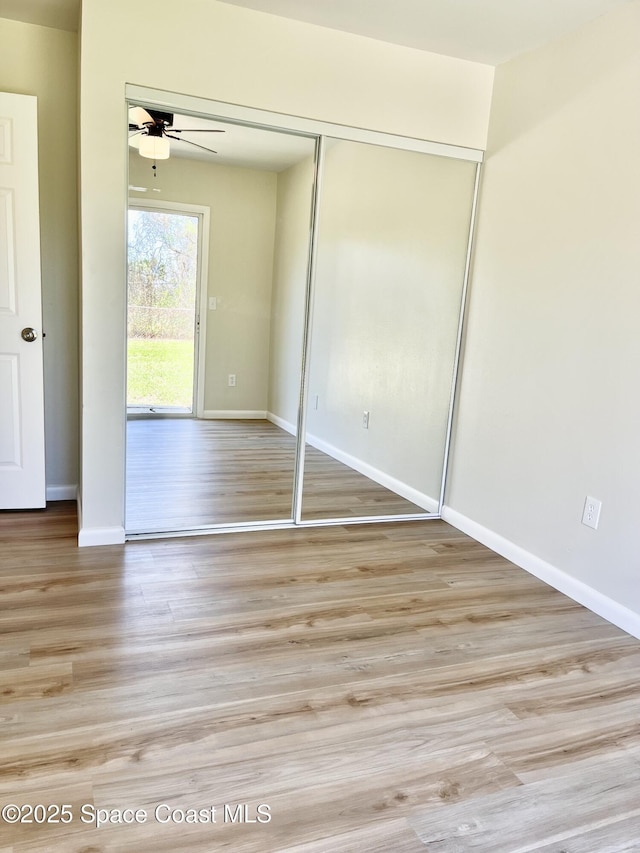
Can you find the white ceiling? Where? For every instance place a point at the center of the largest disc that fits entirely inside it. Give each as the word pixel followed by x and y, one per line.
pixel 489 31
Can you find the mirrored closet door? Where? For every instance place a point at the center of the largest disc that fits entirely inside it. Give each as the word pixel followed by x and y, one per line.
pixel 393 232
pixel 218 248
pixel 306 288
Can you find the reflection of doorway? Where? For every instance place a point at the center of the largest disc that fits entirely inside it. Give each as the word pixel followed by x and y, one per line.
pixel 164 269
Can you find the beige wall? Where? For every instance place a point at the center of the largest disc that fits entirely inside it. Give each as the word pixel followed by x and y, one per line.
pixel 242 206
pixel 213 50
pixel 550 410
pixel 290 264
pixel 43 62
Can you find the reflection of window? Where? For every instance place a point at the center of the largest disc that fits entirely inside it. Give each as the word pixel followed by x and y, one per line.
pixel 162 274
pixel 162 285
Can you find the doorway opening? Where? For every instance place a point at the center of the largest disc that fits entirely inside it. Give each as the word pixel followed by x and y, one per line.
pixel 163 274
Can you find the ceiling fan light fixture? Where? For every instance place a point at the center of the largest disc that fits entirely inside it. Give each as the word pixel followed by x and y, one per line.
pixel 155 147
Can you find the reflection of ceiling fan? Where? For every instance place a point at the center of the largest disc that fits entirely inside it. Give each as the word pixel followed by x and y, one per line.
pixel 148 132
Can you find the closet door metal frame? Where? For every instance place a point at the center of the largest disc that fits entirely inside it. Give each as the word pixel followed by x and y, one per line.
pixel 320 131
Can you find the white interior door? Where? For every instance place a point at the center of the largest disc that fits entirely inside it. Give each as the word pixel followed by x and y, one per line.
pixel 22 475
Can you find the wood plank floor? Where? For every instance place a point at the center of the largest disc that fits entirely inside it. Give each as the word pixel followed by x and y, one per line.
pixel 185 472
pixel 388 688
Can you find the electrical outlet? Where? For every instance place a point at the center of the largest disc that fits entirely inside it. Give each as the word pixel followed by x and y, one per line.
pixel 232 380
pixel 591 512
pixel 365 420
pixel 213 303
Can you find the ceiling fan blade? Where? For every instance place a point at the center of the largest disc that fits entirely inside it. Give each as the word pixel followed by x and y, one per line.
pixel 134 138
pixel 189 142
pixel 139 116
pixel 196 130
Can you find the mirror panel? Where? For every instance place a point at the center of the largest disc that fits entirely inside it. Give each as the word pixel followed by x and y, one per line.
pixel 231 460
pixel 392 241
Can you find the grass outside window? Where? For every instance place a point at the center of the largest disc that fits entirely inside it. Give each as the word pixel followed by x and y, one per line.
pixel 160 372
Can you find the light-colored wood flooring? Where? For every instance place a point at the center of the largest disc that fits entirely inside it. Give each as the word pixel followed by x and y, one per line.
pixel 185 473
pixel 382 688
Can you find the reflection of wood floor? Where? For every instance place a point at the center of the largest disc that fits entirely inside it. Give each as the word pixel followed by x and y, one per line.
pixel 185 472
pixel 387 688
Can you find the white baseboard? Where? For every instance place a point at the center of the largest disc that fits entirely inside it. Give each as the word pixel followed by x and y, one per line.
pixel 614 612
pixel 234 414
pixel 280 422
pixel 422 500
pixel 62 493
pixel 92 536
pixel 89 536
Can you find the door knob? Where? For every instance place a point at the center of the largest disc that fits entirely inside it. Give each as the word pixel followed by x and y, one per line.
pixel 29 335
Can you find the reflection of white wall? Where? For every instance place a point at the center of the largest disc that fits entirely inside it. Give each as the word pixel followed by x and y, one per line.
pixel 391 253
pixel 243 205
pixel 549 410
pixel 289 289
pixel 42 61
